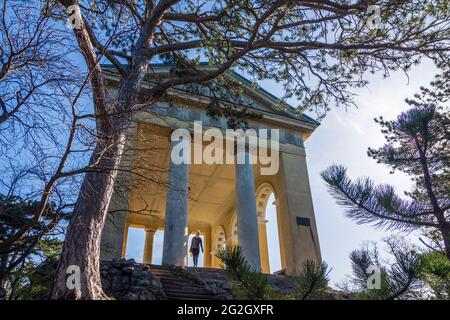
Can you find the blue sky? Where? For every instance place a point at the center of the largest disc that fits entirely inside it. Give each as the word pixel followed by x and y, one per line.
pixel 342 138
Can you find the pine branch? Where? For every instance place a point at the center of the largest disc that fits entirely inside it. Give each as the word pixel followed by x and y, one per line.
pixel 367 203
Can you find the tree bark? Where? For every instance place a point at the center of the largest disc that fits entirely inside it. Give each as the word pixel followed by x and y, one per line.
pixel 444 226
pixel 82 242
pixel 446 237
pixel 3 263
pixel 83 237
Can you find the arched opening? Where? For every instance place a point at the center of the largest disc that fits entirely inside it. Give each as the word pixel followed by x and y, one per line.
pixel 220 239
pixel 268 229
pixel 234 233
pixel 272 235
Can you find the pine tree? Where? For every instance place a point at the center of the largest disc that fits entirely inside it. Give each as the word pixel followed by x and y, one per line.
pixel 435 272
pixel 373 280
pixel 310 284
pixel 417 143
pixel 27 269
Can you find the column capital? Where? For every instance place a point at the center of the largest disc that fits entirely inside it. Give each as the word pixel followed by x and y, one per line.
pixel 150 229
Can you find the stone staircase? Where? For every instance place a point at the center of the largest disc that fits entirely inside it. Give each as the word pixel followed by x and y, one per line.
pixel 127 280
pixel 178 285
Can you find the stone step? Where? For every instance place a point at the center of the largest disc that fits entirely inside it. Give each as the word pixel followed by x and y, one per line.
pixel 180 283
pixel 170 276
pixel 158 271
pixel 167 276
pixel 170 293
pixel 179 288
pixel 185 289
pixel 188 296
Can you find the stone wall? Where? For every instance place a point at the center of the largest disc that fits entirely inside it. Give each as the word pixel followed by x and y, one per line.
pixel 128 280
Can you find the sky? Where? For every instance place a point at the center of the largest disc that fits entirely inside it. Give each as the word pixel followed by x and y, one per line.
pixel 342 138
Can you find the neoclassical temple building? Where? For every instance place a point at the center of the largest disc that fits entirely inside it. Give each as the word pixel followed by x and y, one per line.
pixel 225 202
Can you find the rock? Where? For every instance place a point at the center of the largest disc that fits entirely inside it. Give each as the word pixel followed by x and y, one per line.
pixel 144 283
pixel 139 274
pixel 127 270
pixel 106 284
pixel 156 283
pixel 146 274
pixel 128 280
pixel 129 263
pixel 115 263
pixel 146 267
pixel 137 293
pixel 226 285
pixel 116 284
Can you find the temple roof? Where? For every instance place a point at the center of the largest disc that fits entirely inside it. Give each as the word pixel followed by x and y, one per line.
pixel 259 98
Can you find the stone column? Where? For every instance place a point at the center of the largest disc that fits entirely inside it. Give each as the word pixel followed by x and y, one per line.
pixel 263 245
pixel 281 237
pixel 176 221
pixel 125 240
pixel 246 211
pixel 207 247
pixel 148 246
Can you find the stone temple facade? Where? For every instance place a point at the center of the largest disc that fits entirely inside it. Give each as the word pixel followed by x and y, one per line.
pixel 225 202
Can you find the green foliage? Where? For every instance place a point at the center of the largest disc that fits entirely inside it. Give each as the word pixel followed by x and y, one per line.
pixel 312 283
pixel 372 280
pixel 36 278
pixel 435 271
pixel 250 284
pixel 247 283
pixel 286 41
pixel 27 269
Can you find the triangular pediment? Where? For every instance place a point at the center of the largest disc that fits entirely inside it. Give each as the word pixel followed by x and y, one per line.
pixel 233 95
pixel 233 89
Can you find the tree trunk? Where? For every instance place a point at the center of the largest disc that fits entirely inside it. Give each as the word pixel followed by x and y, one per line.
pixel 83 237
pixel 82 242
pixel 446 236
pixel 3 263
